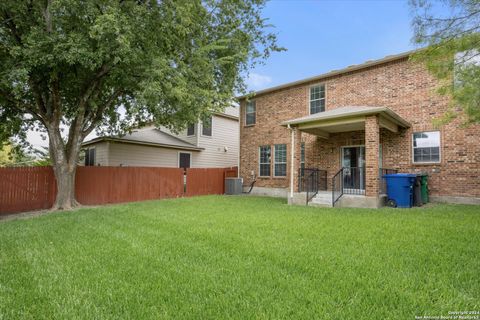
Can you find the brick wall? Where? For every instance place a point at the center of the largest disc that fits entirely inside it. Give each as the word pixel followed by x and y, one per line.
pixel 401 85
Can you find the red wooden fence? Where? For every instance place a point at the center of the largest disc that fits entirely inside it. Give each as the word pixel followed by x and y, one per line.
pixel 101 185
pixel 26 188
pixel 34 188
pixel 203 181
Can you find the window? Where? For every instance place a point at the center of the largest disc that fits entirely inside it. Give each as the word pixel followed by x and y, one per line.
pixel 302 158
pixel 264 161
pixel 191 130
pixel 207 127
pixel 317 99
pixel 184 160
pixel 280 160
pixel 90 157
pixel 426 147
pixel 250 113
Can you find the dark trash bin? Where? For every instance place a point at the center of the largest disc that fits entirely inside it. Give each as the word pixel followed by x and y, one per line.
pixel 400 189
pixel 424 177
pixel 417 191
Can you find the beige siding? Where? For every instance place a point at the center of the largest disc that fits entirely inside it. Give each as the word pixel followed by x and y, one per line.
pixel 232 111
pixel 101 154
pixel 183 134
pixel 220 150
pixel 225 135
pixel 142 156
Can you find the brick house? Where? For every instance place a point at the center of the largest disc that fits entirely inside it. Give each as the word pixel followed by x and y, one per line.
pixel 349 126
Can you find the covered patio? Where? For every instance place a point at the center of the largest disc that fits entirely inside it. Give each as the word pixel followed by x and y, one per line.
pixel 345 150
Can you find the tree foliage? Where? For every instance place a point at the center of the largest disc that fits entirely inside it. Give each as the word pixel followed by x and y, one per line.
pixel 14 154
pixel 451 31
pixel 70 67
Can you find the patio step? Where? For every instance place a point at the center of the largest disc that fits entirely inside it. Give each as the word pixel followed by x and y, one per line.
pixel 322 199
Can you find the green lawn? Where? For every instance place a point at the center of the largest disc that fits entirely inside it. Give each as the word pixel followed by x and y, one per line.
pixel 240 257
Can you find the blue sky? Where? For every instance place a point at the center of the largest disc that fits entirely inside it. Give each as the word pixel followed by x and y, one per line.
pixel 325 35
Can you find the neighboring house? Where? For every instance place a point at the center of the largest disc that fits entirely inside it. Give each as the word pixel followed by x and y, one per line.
pixel 365 118
pixel 213 144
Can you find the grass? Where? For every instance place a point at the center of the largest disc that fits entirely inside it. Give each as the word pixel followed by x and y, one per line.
pixel 240 258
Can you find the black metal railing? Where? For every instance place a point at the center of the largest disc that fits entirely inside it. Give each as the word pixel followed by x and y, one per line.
pixel 317 181
pixel 351 180
pixel 337 186
pixel 382 188
pixel 354 180
pixel 311 181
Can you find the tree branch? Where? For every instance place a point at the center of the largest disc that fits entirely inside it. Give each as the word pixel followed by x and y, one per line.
pixel 97 116
pixel 12 27
pixel 13 103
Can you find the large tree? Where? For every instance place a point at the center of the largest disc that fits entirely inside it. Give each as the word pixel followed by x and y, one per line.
pixel 69 67
pixel 450 29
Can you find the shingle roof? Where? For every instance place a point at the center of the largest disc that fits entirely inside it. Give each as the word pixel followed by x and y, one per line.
pixel 148 136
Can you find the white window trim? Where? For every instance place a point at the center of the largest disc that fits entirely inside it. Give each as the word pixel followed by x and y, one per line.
pixel 439 148
pixel 275 161
pixel 260 163
pixel 324 98
pixel 246 113
pixel 178 158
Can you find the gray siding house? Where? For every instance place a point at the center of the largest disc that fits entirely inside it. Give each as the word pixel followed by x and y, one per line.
pixel 214 144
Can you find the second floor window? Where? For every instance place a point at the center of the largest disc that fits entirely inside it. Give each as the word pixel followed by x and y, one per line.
pixel 317 99
pixel 250 113
pixel 90 157
pixel 280 160
pixel 264 161
pixel 426 147
pixel 207 127
pixel 191 130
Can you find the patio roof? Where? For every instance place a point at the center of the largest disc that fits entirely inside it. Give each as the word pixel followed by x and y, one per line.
pixel 344 119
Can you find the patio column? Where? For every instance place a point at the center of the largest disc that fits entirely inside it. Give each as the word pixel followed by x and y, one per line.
pixel 295 145
pixel 372 145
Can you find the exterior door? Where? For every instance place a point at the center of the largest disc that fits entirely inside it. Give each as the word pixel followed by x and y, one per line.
pixel 353 162
pixel 184 160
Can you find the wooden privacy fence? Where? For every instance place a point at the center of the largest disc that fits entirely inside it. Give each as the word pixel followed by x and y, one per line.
pixel 101 185
pixel 26 188
pixel 34 188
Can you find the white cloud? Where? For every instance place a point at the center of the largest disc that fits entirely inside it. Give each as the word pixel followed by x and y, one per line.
pixel 258 81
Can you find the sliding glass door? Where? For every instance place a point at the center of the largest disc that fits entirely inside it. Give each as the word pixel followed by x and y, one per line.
pixel 353 162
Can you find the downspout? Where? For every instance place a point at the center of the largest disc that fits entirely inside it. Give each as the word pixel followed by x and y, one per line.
pixel 292 159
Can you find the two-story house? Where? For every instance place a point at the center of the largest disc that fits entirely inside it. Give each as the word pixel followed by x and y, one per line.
pixel 339 132
pixel 209 144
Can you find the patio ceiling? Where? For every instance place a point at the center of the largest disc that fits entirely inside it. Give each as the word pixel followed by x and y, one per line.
pixel 344 119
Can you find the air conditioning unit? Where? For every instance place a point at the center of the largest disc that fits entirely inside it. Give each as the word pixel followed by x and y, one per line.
pixel 233 185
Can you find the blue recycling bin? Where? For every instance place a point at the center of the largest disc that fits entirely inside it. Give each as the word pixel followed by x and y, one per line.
pixel 400 189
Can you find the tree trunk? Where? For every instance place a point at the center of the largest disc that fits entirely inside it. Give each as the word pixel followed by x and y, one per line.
pixel 65 176
pixel 64 160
